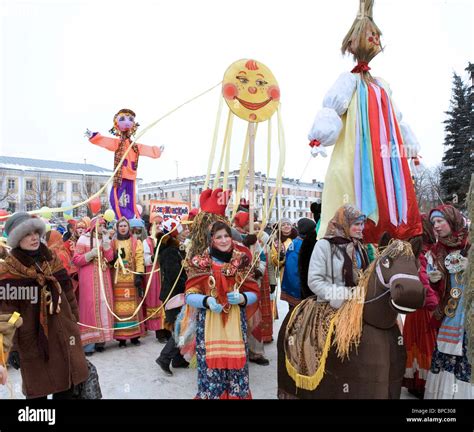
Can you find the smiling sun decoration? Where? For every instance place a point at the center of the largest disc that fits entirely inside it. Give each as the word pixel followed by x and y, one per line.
pixel 250 90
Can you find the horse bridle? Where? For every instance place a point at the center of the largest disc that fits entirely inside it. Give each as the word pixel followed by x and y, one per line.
pixel 388 284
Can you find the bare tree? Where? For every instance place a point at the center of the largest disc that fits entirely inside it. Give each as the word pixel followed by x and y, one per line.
pixel 427 183
pixel 89 186
pixel 5 194
pixel 41 193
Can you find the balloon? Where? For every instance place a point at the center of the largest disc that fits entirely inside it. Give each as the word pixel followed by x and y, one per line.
pixel 140 209
pixel 46 212
pixel 109 215
pixel 95 205
pixel 66 204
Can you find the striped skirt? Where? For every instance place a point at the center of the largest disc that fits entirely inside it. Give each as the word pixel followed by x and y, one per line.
pixel 126 301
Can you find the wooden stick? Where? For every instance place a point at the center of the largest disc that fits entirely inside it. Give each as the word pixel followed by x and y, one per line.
pixel 251 133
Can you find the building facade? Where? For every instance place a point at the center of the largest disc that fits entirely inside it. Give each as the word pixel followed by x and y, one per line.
pixel 294 201
pixel 29 184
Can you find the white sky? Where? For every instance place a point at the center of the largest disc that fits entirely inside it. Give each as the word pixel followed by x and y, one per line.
pixel 71 65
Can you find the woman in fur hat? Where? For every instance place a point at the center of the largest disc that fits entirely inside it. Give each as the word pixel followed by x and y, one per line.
pixel 50 363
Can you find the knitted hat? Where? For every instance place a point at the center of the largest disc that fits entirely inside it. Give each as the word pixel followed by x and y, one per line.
pixel 20 224
pixel 305 226
pixel 241 219
pixel 214 201
pixel 136 223
pixel 285 220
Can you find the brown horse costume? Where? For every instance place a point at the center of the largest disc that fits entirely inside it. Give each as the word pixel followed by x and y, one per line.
pixel 309 351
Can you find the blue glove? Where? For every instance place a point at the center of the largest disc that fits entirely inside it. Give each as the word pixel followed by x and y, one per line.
pixel 213 305
pixel 195 300
pixel 235 298
pixel 251 298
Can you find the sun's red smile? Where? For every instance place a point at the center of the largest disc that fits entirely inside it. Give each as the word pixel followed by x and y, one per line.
pixel 253 106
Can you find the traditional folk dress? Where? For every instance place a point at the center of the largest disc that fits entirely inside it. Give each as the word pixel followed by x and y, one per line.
pixel 221 339
pixel 122 194
pixel 266 304
pixel 70 246
pixel 152 306
pixel 450 373
pixel 126 298
pixel 368 166
pixel 419 336
pixel 93 300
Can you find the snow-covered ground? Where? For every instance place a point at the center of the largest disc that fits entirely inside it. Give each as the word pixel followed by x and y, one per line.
pixel 131 372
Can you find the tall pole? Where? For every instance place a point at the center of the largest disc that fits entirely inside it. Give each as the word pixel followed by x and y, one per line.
pixel 251 133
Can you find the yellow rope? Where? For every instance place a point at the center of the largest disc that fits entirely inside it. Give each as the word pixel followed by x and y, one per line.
pixel 281 164
pixel 269 158
pixel 119 165
pixel 214 143
pixel 228 132
pixel 119 265
pixel 147 318
pixel 227 157
pixel 101 277
pixel 244 168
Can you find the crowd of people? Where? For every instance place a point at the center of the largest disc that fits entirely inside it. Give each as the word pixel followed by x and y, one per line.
pixel 205 286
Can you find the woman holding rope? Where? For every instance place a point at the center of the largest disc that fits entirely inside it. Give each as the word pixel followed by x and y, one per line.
pixel 93 311
pixel 221 287
pixel 127 284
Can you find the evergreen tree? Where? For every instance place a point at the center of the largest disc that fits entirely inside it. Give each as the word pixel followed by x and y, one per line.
pixel 458 159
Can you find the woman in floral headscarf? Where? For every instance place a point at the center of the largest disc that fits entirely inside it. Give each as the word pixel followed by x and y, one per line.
pixel 338 257
pixel 450 374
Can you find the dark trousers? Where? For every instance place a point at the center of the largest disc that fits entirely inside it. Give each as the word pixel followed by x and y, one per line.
pixel 170 353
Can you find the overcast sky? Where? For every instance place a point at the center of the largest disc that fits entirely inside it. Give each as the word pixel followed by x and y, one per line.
pixel 71 65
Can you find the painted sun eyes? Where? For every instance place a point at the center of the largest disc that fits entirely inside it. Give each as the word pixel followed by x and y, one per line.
pixel 242 79
pixel 261 83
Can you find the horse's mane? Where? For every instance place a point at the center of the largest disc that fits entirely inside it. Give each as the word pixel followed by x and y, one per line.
pixel 348 320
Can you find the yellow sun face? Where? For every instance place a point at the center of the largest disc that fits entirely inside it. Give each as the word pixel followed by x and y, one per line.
pixel 250 90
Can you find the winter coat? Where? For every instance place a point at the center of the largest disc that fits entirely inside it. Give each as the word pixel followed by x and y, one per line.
pixel 290 284
pixel 324 280
pixel 66 364
pixel 304 259
pixel 170 257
